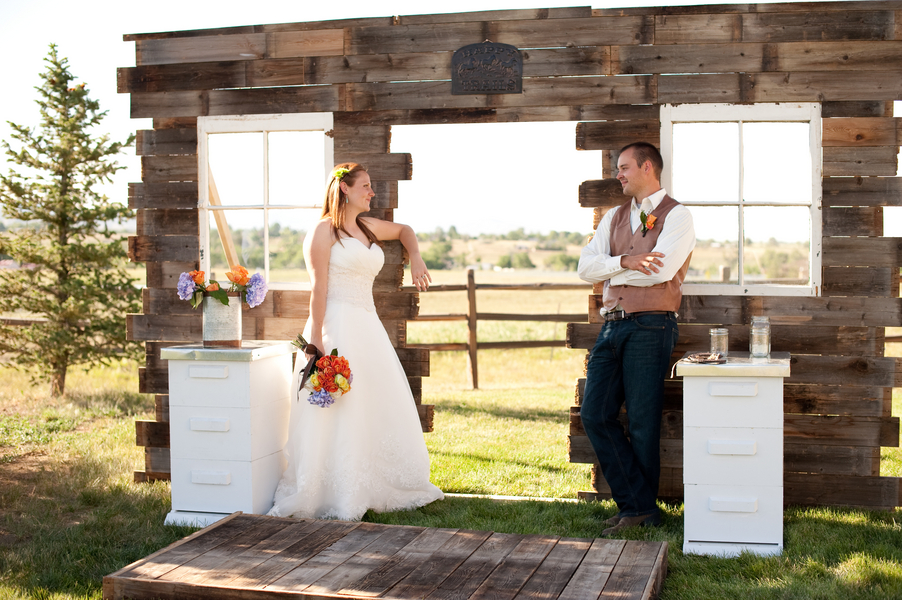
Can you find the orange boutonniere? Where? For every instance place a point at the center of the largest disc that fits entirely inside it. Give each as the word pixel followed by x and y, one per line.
pixel 648 222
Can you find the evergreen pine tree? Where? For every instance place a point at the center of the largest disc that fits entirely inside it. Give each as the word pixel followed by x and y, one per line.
pixel 70 275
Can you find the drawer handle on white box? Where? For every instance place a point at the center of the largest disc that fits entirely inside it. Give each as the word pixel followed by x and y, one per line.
pixel 209 424
pixel 732 447
pixel 723 388
pixel 209 477
pixel 745 505
pixel 208 372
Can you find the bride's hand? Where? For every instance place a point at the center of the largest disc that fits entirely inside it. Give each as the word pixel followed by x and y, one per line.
pixel 316 342
pixel 420 274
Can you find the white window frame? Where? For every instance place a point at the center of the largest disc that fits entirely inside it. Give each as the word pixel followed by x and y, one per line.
pixel 255 124
pixel 790 112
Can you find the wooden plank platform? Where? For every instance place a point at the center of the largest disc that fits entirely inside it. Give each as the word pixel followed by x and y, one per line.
pixel 252 556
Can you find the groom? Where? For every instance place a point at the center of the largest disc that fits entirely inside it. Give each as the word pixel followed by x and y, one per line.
pixel 641 252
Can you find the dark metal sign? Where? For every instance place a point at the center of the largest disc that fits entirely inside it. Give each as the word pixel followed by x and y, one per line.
pixel 487 68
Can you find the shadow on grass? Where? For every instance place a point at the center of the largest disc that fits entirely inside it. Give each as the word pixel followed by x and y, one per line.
pixel 66 526
pixel 556 416
pixel 489 461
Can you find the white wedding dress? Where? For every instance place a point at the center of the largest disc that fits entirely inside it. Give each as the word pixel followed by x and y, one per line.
pixel 366 450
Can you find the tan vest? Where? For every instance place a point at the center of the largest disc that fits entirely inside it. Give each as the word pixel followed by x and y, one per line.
pixel 663 296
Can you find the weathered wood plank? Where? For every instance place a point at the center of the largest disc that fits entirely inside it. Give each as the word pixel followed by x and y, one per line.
pixel 859 220
pixel 239 47
pixel 162 195
pixel 515 568
pixel 680 89
pixel 601 193
pixel 165 169
pixel 351 137
pixel 861 108
pixel 183 76
pixel 821 86
pixel 593 572
pixel 549 580
pixel 737 310
pixel 380 166
pixel 499 15
pixel 862 191
pixel 177 328
pixel 166 274
pixel 841 370
pixel 524 34
pixel 861 131
pixel 831 460
pixel 536 92
pixel 873 161
pixel 434 569
pixel 841 490
pixel 175 123
pixel 634 570
pixel 861 281
pixel 752 26
pixel 614 135
pixel 399 565
pixel 474 570
pixel 690 58
pixel 166 221
pixel 562 112
pixel 163 248
pixel 863 252
pixel 152 433
pixel 166 141
pixel 156 460
pixel 262 101
pixel 842 430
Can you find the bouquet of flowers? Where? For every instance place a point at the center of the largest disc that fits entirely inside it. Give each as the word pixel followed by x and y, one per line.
pixel 327 379
pixel 191 287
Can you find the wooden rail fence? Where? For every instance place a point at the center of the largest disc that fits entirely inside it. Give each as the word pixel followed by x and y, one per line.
pixel 472 317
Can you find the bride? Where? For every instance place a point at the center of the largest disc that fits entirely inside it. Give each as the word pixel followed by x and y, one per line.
pixel 365 451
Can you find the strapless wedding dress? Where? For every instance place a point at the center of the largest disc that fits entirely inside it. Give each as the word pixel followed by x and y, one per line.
pixel 366 451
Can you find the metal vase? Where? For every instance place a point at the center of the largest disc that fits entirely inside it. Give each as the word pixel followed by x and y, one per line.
pixel 222 323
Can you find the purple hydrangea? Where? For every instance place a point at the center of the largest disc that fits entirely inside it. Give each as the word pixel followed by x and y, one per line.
pixel 186 286
pixel 321 398
pixel 256 290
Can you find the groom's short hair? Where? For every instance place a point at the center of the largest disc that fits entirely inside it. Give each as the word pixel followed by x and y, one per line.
pixel 643 151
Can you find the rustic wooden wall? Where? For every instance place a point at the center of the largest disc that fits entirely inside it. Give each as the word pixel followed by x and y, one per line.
pixel 608 70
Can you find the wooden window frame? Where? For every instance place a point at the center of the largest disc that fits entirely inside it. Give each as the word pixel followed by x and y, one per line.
pixel 255 124
pixel 790 112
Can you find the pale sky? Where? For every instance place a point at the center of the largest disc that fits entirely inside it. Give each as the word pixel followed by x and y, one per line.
pixel 540 167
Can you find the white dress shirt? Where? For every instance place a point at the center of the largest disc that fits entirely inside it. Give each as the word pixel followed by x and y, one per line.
pixel 676 242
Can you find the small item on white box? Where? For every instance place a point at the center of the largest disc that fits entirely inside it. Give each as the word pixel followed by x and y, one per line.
pixel 759 338
pixel 720 340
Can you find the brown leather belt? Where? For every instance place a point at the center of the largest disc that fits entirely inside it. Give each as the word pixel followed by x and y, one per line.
pixel 620 315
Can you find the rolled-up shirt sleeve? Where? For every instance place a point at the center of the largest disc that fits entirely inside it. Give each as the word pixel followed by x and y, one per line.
pixel 595 261
pixel 676 243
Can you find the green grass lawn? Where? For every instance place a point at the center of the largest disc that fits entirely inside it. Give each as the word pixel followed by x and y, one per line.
pixel 70 513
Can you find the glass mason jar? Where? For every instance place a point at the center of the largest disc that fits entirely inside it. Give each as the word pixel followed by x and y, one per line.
pixel 759 338
pixel 720 340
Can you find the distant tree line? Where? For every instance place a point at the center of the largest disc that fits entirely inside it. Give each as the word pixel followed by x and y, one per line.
pixel 553 240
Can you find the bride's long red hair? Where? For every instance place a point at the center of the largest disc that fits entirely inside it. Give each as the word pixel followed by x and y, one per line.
pixel 334 203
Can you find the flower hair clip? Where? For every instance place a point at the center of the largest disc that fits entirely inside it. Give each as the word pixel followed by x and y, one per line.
pixel 340 173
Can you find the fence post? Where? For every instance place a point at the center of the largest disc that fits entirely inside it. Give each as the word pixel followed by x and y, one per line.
pixel 471 325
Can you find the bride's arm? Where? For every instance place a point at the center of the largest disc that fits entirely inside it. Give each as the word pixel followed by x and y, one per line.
pixel 387 230
pixel 317 247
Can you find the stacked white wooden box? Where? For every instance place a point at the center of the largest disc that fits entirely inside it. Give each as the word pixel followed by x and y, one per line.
pixel 228 420
pixel 733 455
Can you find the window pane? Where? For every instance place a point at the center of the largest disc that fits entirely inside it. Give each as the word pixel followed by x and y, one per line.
pixel 236 165
pixel 246 229
pixel 783 175
pixel 716 255
pixel 287 229
pixel 777 245
pixel 296 160
pixel 705 162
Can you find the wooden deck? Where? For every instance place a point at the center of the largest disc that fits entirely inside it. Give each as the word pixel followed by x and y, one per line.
pixel 251 556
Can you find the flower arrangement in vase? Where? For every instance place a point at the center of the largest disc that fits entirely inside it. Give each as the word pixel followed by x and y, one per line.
pixel 191 287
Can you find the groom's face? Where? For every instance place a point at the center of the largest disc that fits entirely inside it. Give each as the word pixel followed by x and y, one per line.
pixel 633 177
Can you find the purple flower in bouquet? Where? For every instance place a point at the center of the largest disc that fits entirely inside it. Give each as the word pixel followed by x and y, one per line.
pixel 186 286
pixel 256 290
pixel 321 398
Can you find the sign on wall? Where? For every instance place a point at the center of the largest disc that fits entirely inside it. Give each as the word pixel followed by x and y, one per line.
pixel 487 68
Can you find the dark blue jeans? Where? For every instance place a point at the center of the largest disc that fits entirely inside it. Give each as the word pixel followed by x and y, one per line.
pixel 628 365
